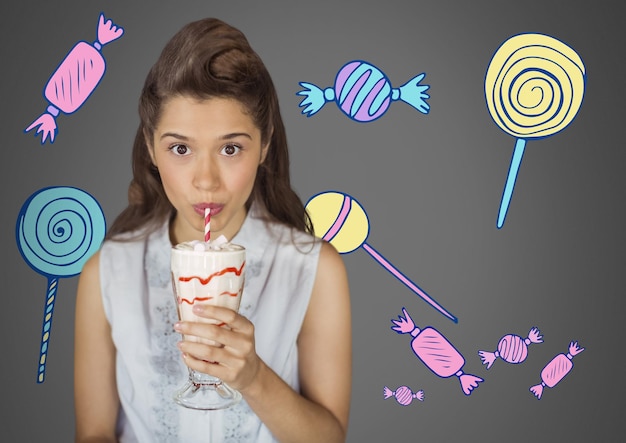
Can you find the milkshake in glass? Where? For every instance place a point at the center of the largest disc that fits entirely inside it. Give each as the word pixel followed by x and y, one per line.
pixel 207 273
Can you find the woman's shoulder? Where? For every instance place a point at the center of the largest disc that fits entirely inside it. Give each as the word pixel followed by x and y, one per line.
pixel 330 261
pixel 135 235
pixel 138 236
pixel 277 232
pixel 294 241
pixel 300 246
pixel 132 245
pixel 91 267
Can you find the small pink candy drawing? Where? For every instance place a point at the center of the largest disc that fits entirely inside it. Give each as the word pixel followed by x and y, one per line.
pixel 436 352
pixel 556 369
pixel 403 395
pixel 75 79
pixel 511 348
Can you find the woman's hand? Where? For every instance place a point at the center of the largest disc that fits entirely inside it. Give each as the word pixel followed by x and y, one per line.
pixel 232 357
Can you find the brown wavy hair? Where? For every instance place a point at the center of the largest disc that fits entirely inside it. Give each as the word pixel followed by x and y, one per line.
pixel 206 59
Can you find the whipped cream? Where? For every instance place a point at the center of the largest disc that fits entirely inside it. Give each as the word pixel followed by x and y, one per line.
pixel 221 243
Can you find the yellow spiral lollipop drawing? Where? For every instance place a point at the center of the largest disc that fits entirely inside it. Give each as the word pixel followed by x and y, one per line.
pixel 534 87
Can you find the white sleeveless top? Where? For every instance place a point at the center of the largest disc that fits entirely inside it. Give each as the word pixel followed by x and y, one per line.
pixel 140 306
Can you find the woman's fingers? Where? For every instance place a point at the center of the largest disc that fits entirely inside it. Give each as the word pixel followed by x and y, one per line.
pixel 224 348
pixel 219 361
pixel 218 313
pixel 220 321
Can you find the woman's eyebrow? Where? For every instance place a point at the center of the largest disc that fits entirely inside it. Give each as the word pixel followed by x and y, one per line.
pixel 235 135
pixel 221 137
pixel 174 135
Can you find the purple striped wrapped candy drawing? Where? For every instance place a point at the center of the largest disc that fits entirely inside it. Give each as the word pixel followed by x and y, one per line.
pixel 436 352
pixel 556 370
pixel 403 395
pixel 75 79
pixel 511 348
pixel 363 92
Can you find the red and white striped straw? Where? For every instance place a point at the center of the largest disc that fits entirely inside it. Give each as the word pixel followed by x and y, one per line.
pixel 207 224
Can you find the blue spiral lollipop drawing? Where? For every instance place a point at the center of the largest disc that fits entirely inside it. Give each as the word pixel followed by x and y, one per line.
pixel 534 87
pixel 57 230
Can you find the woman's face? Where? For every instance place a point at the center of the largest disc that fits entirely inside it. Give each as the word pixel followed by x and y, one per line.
pixel 207 153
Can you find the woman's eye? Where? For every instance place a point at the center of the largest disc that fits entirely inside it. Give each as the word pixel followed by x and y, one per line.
pixel 230 150
pixel 179 149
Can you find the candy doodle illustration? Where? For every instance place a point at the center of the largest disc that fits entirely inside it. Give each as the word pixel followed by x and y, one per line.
pixel 57 230
pixel 403 395
pixel 339 219
pixel 363 93
pixel 75 79
pixel 436 352
pixel 511 348
pixel 534 87
pixel 556 370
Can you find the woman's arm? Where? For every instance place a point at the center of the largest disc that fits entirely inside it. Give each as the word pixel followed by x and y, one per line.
pixel 320 411
pixel 96 402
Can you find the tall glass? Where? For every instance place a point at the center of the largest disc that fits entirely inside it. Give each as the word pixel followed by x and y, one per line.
pixel 211 276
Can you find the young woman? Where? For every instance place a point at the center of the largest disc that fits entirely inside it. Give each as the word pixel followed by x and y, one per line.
pixel 211 135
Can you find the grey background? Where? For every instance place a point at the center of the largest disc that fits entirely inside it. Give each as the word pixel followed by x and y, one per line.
pixel 430 184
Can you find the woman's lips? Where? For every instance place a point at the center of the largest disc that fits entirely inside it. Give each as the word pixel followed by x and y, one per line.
pixel 216 208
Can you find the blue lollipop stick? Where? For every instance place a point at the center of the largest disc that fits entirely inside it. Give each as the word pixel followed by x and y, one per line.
pixel 516 161
pixel 57 230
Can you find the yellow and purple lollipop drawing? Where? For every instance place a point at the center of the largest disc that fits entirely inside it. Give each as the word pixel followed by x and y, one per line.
pixel 57 230
pixel 534 87
pixel 339 219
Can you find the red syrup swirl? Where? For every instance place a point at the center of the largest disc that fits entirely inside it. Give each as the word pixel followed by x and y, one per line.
pixel 182 300
pixel 205 281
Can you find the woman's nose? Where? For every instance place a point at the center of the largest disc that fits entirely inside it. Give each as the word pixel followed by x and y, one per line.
pixel 206 174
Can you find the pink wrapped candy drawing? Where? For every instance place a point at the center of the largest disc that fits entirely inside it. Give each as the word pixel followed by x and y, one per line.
pixel 556 370
pixel 436 352
pixel 511 348
pixel 403 395
pixel 363 92
pixel 75 79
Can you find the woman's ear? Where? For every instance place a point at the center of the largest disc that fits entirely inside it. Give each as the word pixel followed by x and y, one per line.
pixel 149 145
pixel 265 149
pixel 264 152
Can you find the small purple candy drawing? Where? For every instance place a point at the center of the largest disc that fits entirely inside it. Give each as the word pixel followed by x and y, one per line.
pixel 556 369
pixel 511 348
pixel 436 352
pixel 75 79
pixel 363 93
pixel 403 395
